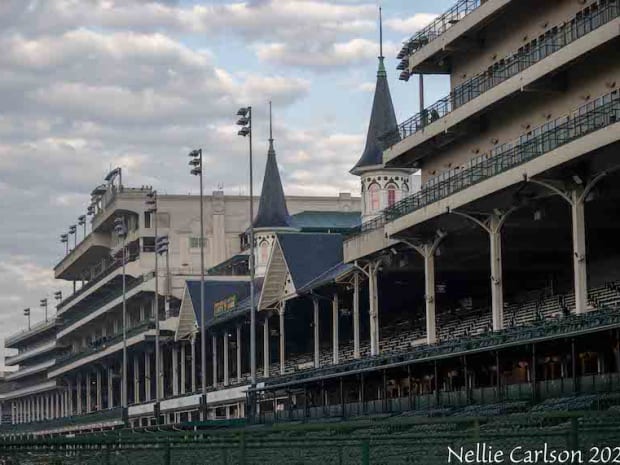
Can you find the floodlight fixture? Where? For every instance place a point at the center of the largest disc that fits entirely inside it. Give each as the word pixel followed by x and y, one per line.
pixel 161 245
pixel 120 228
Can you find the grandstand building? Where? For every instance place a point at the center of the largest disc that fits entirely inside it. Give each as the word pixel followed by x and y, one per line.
pixel 494 283
pixel 497 280
pixel 70 367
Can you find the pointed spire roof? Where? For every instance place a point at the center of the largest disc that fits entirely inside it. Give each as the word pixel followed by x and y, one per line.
pixel 272 210
pixel 382 117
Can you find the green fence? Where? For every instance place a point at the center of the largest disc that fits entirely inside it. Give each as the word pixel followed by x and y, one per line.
pixel 380 440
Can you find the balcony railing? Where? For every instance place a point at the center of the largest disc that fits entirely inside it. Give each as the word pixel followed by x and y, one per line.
pixel 551 329
pixel 438 26
pixel 34 329
pixel 508 67
pixel 102 416
pixel 103 343
pixel 581 124
pixel 100 273
pixel 104 300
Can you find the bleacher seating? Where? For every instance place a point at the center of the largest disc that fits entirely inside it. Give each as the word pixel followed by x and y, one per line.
pixel 402 335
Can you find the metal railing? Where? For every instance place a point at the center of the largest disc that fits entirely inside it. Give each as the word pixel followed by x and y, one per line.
pixel 16 337
pixel 103 343
pixel 104 300
pixel 439 25
pixel 607 316
pixel 571 129
pixel 508 67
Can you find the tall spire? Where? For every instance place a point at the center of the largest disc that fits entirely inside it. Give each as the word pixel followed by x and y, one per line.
pixel 381 71
pixel 382 117
pixel 272 210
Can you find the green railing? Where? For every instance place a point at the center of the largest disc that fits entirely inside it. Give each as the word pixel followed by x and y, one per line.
pixel 376 441
pixel 507 68
pixel 96 305
pixel 516 335
pixel 66 422
pixel 103 343
pixel 438 26
pixel 561 133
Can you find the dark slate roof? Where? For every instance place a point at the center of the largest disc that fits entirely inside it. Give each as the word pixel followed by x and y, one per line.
pixel 214 292
pixel 382 121
pixel 272 211
pixel 243 306
pixel 327 277
pixel 316 221
pixel 308 255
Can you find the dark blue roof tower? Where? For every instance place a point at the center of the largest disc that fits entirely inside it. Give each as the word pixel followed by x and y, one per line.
pixel 272 210
pixel 382 119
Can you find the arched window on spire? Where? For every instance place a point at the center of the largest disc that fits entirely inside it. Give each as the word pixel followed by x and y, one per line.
pixel 392 194
pixel 373 197
pixel 264 252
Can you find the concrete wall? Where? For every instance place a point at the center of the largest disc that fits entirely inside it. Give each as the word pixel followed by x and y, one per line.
pixel 598 75
pixel 521 22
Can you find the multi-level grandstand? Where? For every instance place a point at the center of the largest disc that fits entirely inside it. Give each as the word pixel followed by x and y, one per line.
pixel 482 306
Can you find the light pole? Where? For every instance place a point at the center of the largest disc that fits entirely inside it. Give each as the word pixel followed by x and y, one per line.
pixel 245 121
pixel 161 247
pixel 196 164
pixel 121 231
pixel 27 313
pixel 43 304
pixel 64 239
pixel 73 230
pixel 151 208
pixel 58 297
pixel 82 222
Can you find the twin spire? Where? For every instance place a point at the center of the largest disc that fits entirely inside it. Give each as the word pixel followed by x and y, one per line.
pixel 382 118
pixel 272 210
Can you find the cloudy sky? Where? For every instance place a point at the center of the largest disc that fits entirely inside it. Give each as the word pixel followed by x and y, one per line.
pixel 86 85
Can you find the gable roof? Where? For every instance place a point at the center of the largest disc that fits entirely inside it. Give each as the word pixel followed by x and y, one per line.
pixel 382 121
pixel 215 291
pixel 242 307
pixel 328 276
pixel 308 255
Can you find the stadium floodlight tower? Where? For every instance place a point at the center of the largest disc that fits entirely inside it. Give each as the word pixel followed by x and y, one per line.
pixel 27 314
pixel 151 207
pixel 82 222
pixel 245 121
pixel 73 232
pixel 120 228
pixel 64 239
pixel 196 164
pixel 58 298
pixel 43 305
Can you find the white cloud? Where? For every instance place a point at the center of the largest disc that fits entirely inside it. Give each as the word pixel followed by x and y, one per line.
pixel 411 24
pixel 367 87
pixel 322 55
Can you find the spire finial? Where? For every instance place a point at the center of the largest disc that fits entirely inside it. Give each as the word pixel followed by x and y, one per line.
pixel 270 125
pixel 381 72
pixel 380 34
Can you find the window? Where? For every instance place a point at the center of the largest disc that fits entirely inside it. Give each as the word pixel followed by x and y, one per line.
pixel 147 219
pixel 148 244
pixel 264 252
pixel 373 191
pixel 194 242
pixel 391 195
